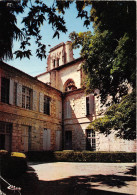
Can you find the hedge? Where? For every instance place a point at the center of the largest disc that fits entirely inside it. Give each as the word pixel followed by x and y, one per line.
pixel 12 165
pixel 76 156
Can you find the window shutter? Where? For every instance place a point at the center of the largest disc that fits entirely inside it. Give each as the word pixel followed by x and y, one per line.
pixel 91 104
pixel 41 102
pixel 11 92
pixel 34 100
pixel 19 94
pixel 68 110
pixel 48 139
pixel 84 106
pixel 58 140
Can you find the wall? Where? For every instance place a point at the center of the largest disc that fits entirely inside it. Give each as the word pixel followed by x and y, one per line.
pixel 62 52
pixel 33 118
pixel 77 122
pixel 45 78
pixel 70 72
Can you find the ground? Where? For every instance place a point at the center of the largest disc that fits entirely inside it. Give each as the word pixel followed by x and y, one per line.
pixel 63 178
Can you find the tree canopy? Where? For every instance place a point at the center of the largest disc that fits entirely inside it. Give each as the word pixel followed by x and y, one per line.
pixel 34 14
pixel 119 117
pixel 110 62
pixel 109 53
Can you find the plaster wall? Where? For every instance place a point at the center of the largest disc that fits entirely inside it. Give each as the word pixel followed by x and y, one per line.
pixel 45 78
pixel 71 72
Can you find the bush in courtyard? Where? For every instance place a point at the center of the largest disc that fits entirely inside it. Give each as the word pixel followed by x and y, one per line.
pixel 40 156
pixel 12 165
pixel 77 156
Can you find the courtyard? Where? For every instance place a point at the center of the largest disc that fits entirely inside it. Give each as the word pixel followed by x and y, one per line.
pixel 63 178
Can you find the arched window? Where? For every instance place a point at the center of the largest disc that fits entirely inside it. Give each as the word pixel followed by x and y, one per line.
pixel 69 85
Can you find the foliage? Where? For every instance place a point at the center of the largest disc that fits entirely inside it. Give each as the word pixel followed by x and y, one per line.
pixel 38 13
pixel 13 165
pixel 9 30
pixel 18 154
pixel 34 15
pixel 80 156
pixel 119 117
pixel 110 62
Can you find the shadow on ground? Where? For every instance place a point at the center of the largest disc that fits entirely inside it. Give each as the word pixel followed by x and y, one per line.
pixel 76 185
pixel 131 170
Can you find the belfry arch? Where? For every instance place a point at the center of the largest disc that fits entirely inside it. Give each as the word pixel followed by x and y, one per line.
pixel 69 85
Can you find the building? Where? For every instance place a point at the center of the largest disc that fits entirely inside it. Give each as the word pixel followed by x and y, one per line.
pixel 51 111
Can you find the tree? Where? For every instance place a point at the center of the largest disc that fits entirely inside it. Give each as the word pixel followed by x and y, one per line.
pixel 34 14
pixel 109 63
pixel 119 117
pixel 38 13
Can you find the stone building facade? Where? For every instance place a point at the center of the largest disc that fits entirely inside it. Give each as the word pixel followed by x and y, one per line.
pixel 28 116
pixel 51 111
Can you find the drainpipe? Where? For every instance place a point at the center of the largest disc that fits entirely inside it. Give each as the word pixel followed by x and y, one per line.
pixel 63 133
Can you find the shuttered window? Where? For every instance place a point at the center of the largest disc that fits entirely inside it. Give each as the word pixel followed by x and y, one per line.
pixel 90 107
pixel 5 90
pixel 15 94
pixel 87 106
pixel 26 97
pixel 47 105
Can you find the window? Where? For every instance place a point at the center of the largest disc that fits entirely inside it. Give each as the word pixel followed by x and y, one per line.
pixel 87 106
pixel 68 140
pixel 57 62
pixel 54 63
pixel 69 85
pixel 90 108
pixel 47 105
pixel 90 140
pixel 5 90
pixel 15 94
pixel 26 97
pixel 5 135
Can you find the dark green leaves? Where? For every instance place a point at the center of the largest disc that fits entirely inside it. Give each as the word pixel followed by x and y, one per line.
pixel 109 63
pixel 119 117
pixel 21 54
pixel 37 14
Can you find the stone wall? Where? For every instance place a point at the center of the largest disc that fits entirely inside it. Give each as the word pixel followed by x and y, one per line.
pixel 33 118
pixel 77 122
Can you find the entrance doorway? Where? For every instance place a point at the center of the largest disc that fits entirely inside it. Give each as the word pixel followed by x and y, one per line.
pixel 68 140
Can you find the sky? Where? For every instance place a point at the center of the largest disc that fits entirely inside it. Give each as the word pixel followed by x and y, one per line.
pixel 35 66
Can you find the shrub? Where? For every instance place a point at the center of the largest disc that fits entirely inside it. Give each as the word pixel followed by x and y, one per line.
pixel 13 165
pixel 85 156
pixel 40 156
